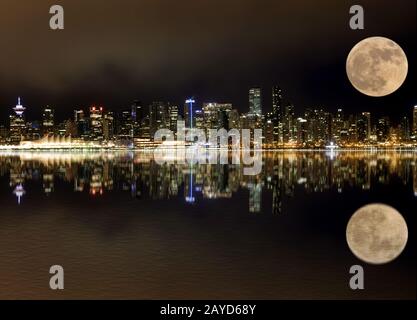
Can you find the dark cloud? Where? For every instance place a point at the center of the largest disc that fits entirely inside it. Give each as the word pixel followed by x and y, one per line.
pixel 115 51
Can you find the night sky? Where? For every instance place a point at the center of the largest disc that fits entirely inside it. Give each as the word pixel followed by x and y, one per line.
pixel 112 52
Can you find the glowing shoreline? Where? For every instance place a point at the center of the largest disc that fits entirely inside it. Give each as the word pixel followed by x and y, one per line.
pixel 54 143
pixel 95 147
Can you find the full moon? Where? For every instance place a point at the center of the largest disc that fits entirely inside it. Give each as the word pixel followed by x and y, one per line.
pixel 377 66
pixel 377 234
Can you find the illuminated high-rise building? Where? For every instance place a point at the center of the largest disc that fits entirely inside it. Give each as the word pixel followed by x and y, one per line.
pixel 302 136
pixel 137 115
pixel 352 129
pixel 367 116
pixel 65 128
pixel 405 133
pixel 277 113
pixel 339 129
pixel 144 128
pixel 269 131
pixel 289 124
pixel 96 120
pixel 82 124
pixel 255 101
pixel 383 128
pixel 137 111
pixel 108 126
pixel 319 126
pixel 48 120
pixel 217 115
pixel 363 127
pixel 126 124
pixel 17 123
pixel 70 128
pixel 33 130
pixel 78 115
pixel 415 121
pixel 173 117
pixel 158 117
pixel 199 119
pixel 210 111
pixel 189 109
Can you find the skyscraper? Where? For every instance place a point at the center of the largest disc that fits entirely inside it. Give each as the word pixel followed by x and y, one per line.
pixel 415 121
pixel 32 130
pixel 277 113
pixel 48 120
pixel 352 129
pixel 189 107
pixel 339 135
pixel 82 124
pixel 319 126
pixel 144 128
pixel 288 127
pixel 269 131
pixel 78 115
pixel 70 128
pixel 126 124
pixel 383 127
pixel 173 117
pixel 137 114
pixel 158 117
pixel 302 135
pixel 363 127
pixel 108 126
pixel 216 115
pixel 199 119
pixel 137 111
pixel 405 129
pixel 367 116
pixel 255 101
pixel 96 119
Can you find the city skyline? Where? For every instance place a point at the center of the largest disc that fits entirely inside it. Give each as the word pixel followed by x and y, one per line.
pixel 283 126
pixel 218 150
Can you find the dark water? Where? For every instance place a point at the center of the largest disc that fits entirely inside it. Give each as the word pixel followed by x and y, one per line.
pixel 124 227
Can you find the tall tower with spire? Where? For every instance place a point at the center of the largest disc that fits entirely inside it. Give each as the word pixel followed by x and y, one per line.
pixel 17 123
pixel 19 109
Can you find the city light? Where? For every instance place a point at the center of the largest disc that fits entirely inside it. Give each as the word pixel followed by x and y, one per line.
pixel 86 171
pixel 19 109
pixel 190 102
pixel 315 128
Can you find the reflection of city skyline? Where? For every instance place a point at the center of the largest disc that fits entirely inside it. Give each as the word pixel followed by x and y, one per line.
pixel 140 176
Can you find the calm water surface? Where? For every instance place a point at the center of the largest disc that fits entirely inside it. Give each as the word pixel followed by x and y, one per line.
pixel 123 226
